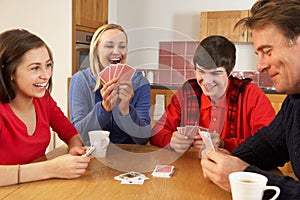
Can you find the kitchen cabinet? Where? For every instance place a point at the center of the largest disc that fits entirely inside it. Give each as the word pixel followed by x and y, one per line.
pixel 159 107
pixel 222 23
pixel 90 14
pixel 167 93
pixel 87 16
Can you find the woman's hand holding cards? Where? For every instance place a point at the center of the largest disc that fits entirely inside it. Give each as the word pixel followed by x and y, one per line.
pixel 109 95
pixel 117 87
pixel 125 94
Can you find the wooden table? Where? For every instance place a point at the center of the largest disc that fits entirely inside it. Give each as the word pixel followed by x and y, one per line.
pixel 98 182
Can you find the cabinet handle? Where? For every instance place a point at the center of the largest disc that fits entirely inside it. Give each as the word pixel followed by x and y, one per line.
pixel 243 34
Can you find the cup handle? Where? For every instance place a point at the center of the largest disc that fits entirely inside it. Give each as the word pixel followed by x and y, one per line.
pixel 277 190
pixel 105 141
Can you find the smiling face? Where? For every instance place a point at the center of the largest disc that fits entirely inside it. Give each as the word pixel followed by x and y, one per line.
pixel 33 73
pixel 213 82
pixel 112 47
pixel 279 57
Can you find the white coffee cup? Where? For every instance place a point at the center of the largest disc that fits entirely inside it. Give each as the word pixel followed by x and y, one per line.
pixel 250 186
pixel 100 139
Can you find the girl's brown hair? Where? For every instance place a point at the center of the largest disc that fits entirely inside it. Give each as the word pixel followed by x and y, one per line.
pixel 13 45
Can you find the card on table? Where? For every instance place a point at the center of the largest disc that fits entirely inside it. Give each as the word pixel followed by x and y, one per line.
pixel 164 171
pixel 131 178
pixel 134 181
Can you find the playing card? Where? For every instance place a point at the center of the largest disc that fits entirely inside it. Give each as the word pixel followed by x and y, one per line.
pixel 164 171
pixel 191 131
pixel 136 181
pixel 131 175
pixel 118 70
pixel 206 137
pixel 104 74
pixel 164 168
pixel 181 130
pixel 202 128
pixel 112 71
pixel 127 73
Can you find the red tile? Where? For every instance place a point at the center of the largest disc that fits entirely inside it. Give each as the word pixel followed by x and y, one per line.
pixel 178 48
pixel 178 62
pixel 164 53
pixel 164 62
pixel 191 47
pixel 165 48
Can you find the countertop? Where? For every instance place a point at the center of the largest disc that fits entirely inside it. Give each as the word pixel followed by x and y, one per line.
pixel 175 87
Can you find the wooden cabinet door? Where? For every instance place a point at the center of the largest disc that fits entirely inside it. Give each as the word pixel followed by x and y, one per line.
pixel 90 14
pixel 167 93
pixel 222 23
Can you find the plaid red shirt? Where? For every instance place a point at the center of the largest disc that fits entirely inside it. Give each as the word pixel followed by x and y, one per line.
pixel 243 117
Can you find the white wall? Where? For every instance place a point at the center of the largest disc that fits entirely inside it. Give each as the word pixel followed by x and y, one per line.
pixel 52 21
pixel 149 21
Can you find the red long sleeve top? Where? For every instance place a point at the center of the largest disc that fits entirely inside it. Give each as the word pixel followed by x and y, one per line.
pixel 252 111
pixel 16 146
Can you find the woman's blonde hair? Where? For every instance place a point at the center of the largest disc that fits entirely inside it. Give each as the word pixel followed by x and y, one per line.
pixel 94 59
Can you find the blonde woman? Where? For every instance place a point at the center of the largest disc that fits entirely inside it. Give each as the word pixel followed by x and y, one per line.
pixel 119 107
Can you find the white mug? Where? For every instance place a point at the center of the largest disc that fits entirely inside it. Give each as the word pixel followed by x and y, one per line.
pixel 100 139
pixel 250 186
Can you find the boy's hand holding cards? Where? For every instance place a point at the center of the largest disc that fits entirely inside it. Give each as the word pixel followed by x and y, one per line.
pixel 207 140
pixel 164 171
pixel 190 131
pixel 206 137
pixel 132 178
pixel 121 71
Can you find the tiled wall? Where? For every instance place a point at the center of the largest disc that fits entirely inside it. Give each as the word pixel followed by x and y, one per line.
pixel 176 65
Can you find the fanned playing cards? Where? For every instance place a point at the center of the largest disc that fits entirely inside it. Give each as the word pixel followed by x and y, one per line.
pixel 122 71
pixel 163 171
pixel 190 130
